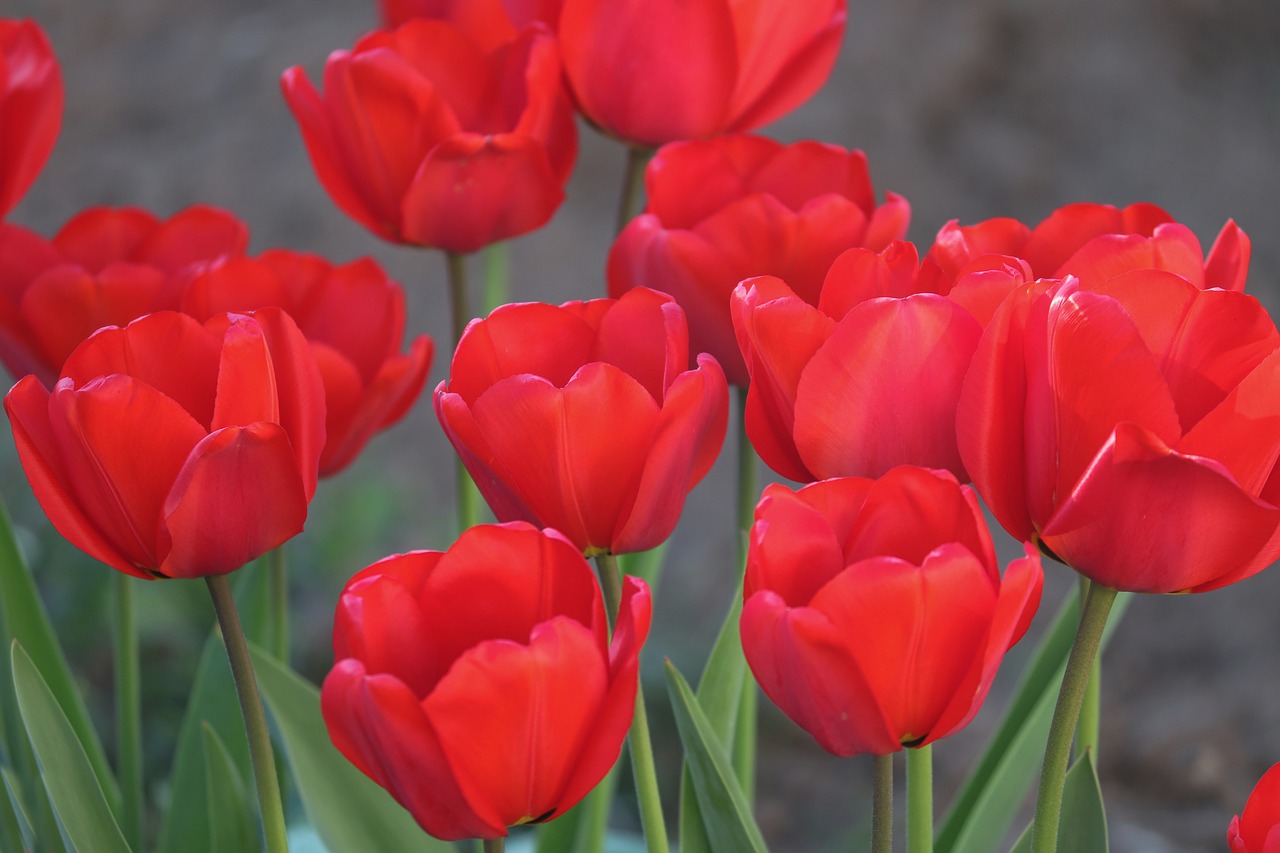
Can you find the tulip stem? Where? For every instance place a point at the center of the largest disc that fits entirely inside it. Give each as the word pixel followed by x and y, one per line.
pixel 255 720
pixel 920 799
pixel 882 805
pixel 648 797
pixel 1053 775
pixel 744 732
pixel 1087 735
pixel 460 312
pixel 495 845
pixel 128 712
pixel 279 580
pixel 632 184
pixel 495 276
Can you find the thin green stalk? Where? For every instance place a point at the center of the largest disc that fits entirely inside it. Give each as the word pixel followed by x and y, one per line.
pixel 744 733
pixel 279 581
pixel 639 743
pixel 496 290
pixel 128 712
pixel 595 823
pixel 1087 731
pixel 882 805
pixel 632 184
pixel 255 720
pixel 468 498
pixel 1053 775
pixel 495 845
pixel 920 799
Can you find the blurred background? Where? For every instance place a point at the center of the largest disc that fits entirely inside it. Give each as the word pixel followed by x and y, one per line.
pixel 986 108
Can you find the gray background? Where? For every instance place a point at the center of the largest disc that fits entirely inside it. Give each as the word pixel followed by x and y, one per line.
pixel 986 108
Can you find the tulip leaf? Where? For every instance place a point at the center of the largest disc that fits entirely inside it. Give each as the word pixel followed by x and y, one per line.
pixel 77 798
pixel 348 810
pixel 1082 827
pixel 15 825
pixel 233 826
pixel 213 702
pixel 989 801
pixel 23 618
pixel 726 815
pixel 646 565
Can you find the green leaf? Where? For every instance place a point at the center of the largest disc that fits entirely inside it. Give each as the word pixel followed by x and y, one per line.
pixel 1083 824
pixel 646 565
pixel 232 817
pixel 726 816
pixel 212 702
pixel 15 835
pixel 348 810
pixel 23 618
pixel 68 775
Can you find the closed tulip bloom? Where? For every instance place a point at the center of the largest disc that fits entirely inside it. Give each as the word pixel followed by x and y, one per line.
pixel 1258 829
pixel 585 417
pixel 875 616
pixel 352 315
pixel 479 685
pixel 1132 429
pixel 733 207
pixel 30 107
pixel 428 136
pixel 656 71
pixel 172 449
pixel 869 378
pixel 1097 242
pixel 105 267
pixel 490 22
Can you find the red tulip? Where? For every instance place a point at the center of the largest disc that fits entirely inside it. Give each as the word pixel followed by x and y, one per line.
pixel 106 266
pixel 490 22
pixel 353 317
pixel 427 136
pixel 1258 830
pixel 870 378
pixel 734 207
pixel 30 107
pixel 584 418
pixel 875 616
pixel 654 71
pixel 1097 242
pixel 1132 429
pixel 171 449
pixel 479 685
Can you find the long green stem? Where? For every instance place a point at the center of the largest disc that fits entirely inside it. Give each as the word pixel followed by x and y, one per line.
pixel 128 712
pixel 495 845
pixel 1053 775
pixel 639 743
pixel 460 312
pixel 632 184
pixel 279 581
pixel 920 799
pixel 496 287
pixel 882 805
pixel 1087 730
pixel 255 720
pixel 744 733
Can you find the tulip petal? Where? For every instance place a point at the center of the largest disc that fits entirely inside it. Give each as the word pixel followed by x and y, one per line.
pixel 1063 232
pixel 1228 261
pixel 858 275
pixel 1210 531
pixel 796 565
pixel 723 169
pixel 486 470
pixel 239 495
pixel 100 236
pixel 198 233
pixel 630 332
pixel 31 98
pixel 512 718
pixel 389 596
pixel 882 391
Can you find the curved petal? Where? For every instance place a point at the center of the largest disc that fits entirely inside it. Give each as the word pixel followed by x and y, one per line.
pixel 31 97
pixel 644 334
pixel 1228 263
pixel 858 275
pixel 723 168
pixel 956 245
pixel 99 236
pixel 198 233
pixel 1257 826
pixel 794 548
pixel 380 622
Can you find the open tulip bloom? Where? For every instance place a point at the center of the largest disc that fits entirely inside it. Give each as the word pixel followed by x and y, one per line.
pixel 1258 829
pixel 30 107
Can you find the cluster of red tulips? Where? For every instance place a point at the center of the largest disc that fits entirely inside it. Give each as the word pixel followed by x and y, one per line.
pixel 1100 381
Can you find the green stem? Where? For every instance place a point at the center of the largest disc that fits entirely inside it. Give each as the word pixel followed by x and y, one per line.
pixel 1053 775
pixel 496 291
pixel 920 799
pixel 744 733
pixel 255 720
pixel 632 184
pixel 495 845
pixel 882 805
pixel 1091 710
pixel 279 580
pixel 643 768
pixel 460 312
pixel 128 712
pixel 595 818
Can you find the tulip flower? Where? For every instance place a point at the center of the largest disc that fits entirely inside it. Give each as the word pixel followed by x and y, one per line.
pixel 105 267
pixel 584 418
pixel 656 71
pixel 1097 242
pixel 491 22
pixel 427 136
pixel 734 207
pixel 353 317
pixel 172 449
pixel 875 616
pixel 870 378
pixel 1131 429
pixel 30 107
pixel 1258 829
pixel 440 659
